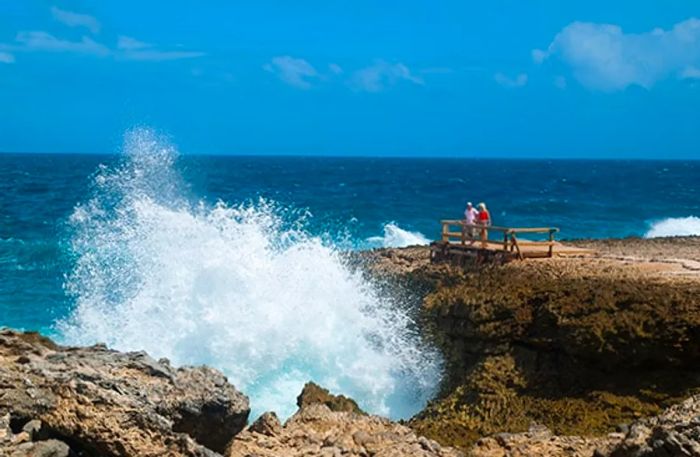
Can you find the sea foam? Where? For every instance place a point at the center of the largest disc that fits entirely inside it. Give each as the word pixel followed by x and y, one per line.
pixel 675 226
pixel 243 288
pixel 396 237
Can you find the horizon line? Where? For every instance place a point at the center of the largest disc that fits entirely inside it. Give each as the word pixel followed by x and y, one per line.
pixel 364 156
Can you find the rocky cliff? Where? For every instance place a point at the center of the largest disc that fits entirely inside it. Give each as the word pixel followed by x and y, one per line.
pixel 580 346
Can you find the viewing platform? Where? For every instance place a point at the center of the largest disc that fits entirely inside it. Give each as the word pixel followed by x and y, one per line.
pixel 461 241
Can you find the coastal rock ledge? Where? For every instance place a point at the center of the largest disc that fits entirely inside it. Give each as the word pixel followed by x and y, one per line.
pixel 68 401
pixel 64 401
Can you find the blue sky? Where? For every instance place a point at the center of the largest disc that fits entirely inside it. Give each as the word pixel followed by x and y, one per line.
pixel 492 78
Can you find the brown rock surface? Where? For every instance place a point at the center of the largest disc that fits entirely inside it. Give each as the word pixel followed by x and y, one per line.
pixel 577 344
pixel 316 431
pixel 314 394
pixel 675 432
pixel 103 402
pixel 651 249
pixel 540 441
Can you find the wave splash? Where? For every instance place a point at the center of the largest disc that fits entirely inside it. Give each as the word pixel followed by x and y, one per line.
pixel 675 226
pixel 396 237
pixel 242 288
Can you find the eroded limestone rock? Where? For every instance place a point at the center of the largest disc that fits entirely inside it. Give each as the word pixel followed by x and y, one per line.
pixel 103 402
pixel 316 431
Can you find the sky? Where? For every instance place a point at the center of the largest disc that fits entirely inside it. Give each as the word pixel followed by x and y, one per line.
pixel 491 78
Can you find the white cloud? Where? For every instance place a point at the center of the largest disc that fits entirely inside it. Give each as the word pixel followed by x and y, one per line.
pixel 72 19
pixel 374 78
pixel 519 81
pixel 539 55
pixel 335 68
pixel 604 57
pixel 127 48
pixel 132 49
pixel 155 55
pixel 691 73
pixel 44 41
pixel 6 57
pixel 293 71
pixel 128 43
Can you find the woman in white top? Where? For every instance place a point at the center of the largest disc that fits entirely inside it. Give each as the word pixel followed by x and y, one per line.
pixel 470 217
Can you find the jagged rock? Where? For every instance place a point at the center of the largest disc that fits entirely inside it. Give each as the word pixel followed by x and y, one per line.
pixel 675 432
pixel 316 431
pixel 267 424
pixel 107 403
pixel 28 441
pixel 539 441
pixel 313 393
pixel 48 448
pixel 36 430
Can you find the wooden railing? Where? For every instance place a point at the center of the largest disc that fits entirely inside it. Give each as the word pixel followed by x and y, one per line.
pixel 509 241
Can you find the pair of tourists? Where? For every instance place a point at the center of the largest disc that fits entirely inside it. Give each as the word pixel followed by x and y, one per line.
pixel 473 217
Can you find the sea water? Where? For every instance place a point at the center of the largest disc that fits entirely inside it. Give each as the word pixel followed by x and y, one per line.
pixel 237 262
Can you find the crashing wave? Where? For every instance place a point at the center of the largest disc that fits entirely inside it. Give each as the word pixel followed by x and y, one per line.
pixel 396 237
pixel 675 226
pixel 242 288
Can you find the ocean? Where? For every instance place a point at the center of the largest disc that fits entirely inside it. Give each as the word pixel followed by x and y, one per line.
pixel 237 262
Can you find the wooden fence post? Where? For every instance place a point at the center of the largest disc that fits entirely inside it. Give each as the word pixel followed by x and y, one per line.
pixel 551 243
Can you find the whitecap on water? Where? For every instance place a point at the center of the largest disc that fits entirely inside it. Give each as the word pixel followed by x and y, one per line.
pixel 675 226
pixel 396 237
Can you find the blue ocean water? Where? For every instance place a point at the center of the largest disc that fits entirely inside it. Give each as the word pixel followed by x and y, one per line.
pixel 236 262
pixel 351 199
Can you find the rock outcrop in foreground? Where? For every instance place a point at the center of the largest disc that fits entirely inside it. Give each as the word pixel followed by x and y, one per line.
pixel 59 401
pixel 315 430
pixel 329 425
pixel 63 402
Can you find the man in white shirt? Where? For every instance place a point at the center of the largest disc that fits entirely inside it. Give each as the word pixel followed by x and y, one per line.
pixel 470 217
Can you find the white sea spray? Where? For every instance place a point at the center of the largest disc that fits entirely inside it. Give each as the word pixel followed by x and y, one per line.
pixel 243 288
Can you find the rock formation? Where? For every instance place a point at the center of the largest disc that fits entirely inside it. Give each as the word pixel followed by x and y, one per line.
pixel 95 401
pixel 675 432
pixel 581 346
pixel 540 441
pixel 313 393
pixel 328 425
pixel 316 431
pixel 60 401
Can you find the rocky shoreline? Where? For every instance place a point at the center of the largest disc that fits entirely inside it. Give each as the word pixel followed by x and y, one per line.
pixel 65 401
pixel 581 346
pixel 560 357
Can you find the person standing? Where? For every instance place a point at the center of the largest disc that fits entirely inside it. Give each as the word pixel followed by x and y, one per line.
pixel 470 218
pixel 485 221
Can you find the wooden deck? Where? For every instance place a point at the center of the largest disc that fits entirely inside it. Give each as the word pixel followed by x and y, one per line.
pixel 461 242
